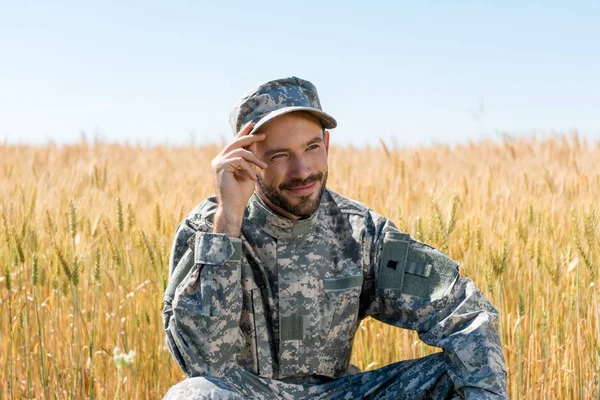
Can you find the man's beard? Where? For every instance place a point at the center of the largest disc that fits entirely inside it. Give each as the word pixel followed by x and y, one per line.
pixel 306 205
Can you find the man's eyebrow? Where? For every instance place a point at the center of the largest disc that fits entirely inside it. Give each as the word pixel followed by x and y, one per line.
pixel 316 139
pixel 271 152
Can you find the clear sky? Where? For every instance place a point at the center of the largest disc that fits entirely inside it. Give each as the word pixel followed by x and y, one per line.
pixel 418 72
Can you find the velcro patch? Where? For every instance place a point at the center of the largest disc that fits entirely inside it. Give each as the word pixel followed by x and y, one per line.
pixel 411 267
pixel 345 282
pixel 291 328
pixel 418 269
pixel 393 261
pixel 433 272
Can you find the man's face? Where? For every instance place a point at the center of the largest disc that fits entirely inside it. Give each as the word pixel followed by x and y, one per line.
pixel 295 149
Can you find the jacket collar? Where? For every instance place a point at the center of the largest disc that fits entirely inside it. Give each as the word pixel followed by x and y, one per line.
pixel 277 226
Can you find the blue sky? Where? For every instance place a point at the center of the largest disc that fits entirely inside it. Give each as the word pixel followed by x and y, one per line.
pixel 409 72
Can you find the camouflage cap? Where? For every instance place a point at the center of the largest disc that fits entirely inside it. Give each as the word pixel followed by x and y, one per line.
pixel 275 98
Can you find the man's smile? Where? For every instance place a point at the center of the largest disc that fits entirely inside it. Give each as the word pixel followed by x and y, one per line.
pixel 303 190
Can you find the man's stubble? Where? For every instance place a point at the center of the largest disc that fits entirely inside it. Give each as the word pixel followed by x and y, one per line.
pixel 306 205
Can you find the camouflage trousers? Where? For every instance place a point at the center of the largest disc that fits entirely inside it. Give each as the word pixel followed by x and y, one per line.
pixel 423 378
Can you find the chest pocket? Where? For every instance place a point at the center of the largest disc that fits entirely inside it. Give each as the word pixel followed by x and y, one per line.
pixel 256 353
pixel 339 320
pixel 342 299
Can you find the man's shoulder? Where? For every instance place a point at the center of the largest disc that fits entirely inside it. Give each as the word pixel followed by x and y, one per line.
pixel 201 214
pixel 347 205
pixel 196 220
pixel 357 211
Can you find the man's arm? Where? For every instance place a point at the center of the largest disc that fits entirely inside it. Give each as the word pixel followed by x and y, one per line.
pixel 203 300
pixel 203 303
pixel 419 288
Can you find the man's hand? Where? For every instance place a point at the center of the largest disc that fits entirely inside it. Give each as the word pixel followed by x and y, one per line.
pixel 234 172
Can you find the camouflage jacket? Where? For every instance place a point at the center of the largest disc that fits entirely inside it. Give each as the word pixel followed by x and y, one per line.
pixel 285 300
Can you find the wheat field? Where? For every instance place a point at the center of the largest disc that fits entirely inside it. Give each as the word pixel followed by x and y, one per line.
pixel 86 230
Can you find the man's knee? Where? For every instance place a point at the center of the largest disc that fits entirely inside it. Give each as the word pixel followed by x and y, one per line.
pixel 423 375
pixel 203 388
pixel 433 364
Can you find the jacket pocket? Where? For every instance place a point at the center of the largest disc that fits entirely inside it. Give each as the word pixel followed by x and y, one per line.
pixel 248 352
pixel 341 305
pixel 264 356
pixel 343 298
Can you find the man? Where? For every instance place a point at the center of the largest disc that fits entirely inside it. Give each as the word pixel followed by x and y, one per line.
pixel 270 278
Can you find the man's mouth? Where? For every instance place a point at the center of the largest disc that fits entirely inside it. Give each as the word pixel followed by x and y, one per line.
pixel 302 190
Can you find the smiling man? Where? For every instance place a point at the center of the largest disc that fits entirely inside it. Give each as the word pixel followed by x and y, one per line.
pixel 270 278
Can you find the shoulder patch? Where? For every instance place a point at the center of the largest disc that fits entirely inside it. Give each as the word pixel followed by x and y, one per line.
pixel 392 263
pixel 410 267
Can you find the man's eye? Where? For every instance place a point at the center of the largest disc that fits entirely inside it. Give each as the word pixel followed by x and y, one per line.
pixel 314 146
pixel 277 156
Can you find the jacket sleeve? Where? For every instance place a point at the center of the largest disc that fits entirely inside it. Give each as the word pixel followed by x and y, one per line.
pixel 419 288
pixel 202 304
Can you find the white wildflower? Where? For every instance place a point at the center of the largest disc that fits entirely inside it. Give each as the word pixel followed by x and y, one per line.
pixel 123 360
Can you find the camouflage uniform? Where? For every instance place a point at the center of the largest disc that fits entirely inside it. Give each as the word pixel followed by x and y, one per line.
pixel 273 315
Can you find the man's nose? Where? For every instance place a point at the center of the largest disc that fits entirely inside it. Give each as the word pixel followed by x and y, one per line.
pixel 299 168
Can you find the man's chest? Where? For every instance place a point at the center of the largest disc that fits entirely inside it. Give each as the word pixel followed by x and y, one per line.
pixel 301 301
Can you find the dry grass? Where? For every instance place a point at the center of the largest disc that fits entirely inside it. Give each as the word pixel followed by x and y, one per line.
pixel 85 234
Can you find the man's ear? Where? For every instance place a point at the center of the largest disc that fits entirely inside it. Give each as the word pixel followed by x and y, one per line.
pixel 326 141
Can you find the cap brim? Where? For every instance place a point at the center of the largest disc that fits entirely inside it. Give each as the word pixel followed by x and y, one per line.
pixel 327 120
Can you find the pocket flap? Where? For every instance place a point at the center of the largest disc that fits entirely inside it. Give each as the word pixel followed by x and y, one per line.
pixel 345 282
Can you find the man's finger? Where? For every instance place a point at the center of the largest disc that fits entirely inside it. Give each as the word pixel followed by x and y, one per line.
pixel 239 167
pixel 246 129
pixel 248 156
pixel 242 141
